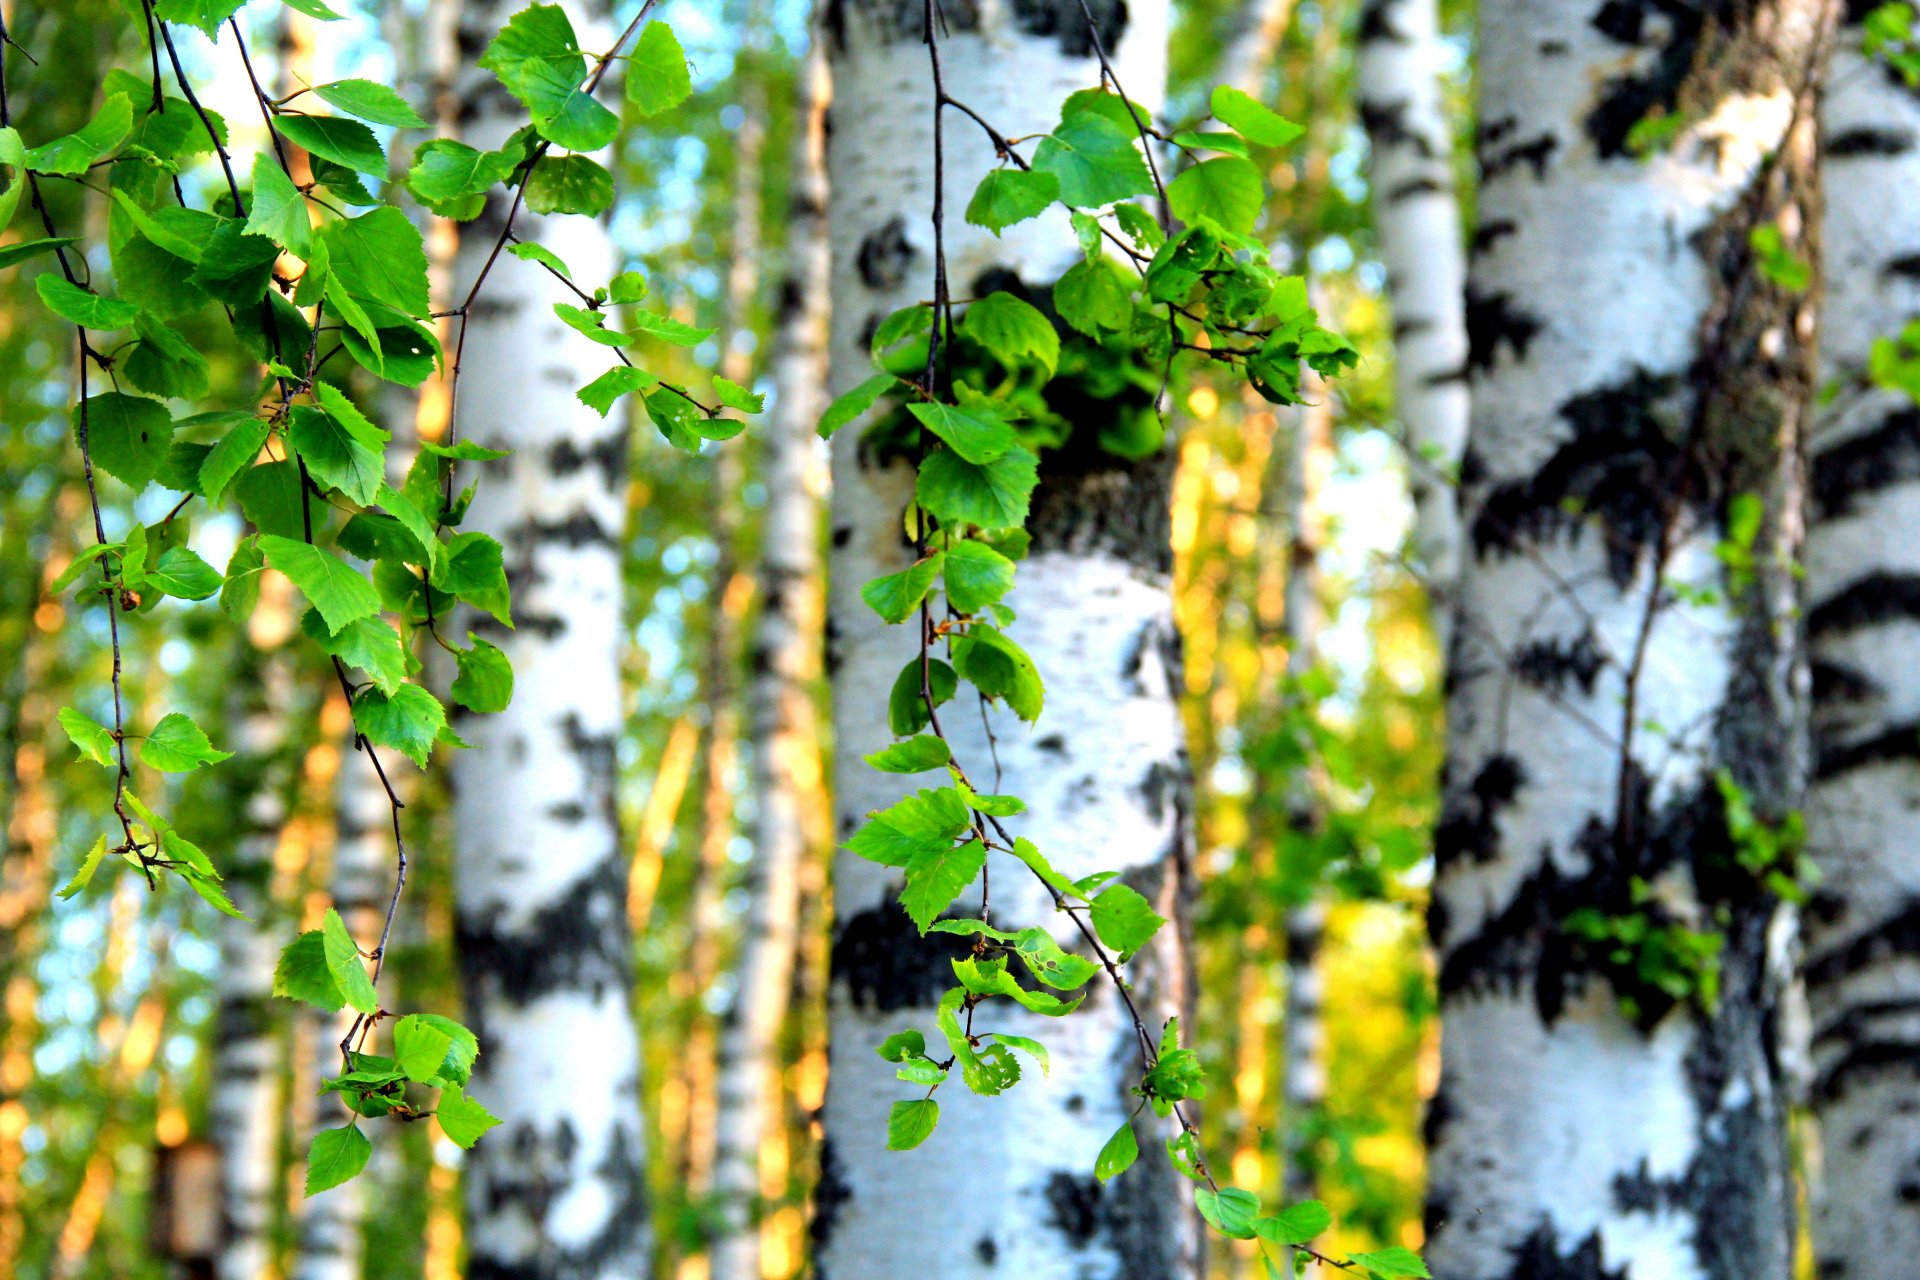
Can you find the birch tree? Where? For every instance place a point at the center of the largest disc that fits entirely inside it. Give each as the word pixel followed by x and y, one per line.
pixel 1863 947
pixel 781 722
pixel 1416 218
pixel 1104 772
pixel 541 927
pixel 1623 743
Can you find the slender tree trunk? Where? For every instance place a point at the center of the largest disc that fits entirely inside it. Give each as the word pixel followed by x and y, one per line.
pixel 1863 927
pixel 786 752
pixel 245 1094
pixel 1416 218
pixel 1611 1101
pixel 558 1190
pixel 1104 772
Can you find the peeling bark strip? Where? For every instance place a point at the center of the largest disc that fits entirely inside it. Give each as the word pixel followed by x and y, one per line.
pixel 1417 218
pixel 1094 611
pixel 1634 372
pixel 1863 930
pixel 557 1192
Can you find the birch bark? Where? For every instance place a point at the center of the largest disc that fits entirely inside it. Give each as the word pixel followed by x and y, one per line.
pixel 1635 374
pixel 558 1190
pixel 1863 926
pixel 1104 772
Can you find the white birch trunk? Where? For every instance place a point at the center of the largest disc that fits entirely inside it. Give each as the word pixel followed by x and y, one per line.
pixel 1633 374
pixel 1247 61
pixel 1416 218
pixel 1005 1186
pixel 1863 927
pixel 558 1190
pixel 244 1100
pixel 781 720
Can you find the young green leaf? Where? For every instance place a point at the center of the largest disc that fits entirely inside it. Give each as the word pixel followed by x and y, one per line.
pixel 340 593
pixel 241 590
pixel 344 964
pixel 1093 298
pixel 975 434
pixel 1226 191
pixel 303 973
pixel 906 704
pixel 1026 1045
pixel 569 184
pixel 993 496
pixel 1396 1263
pixel 936 876
pixel 370 644
pixel 538 59
pixel 337 1155
pixel 1295 1224
pixel 1124 920
pixel 76 152
pixel 409 720
pixel 1007 196
pixel 335 457
pixel 897 595
pixel 976 575
pixel 12 255
pixel 1230 1211
pixel 855 402
pixel 279 211
pixel 345 142
pixel 1014 330
pixel 445 170
pixel 128 436
pixel 94 740
pixel 374 103
pixel 485 681
pixel 911 1123
pixel 990 978
pixel 916 755
pixel 1119 1153
pixel 462 1119
pixel 83 876
pixel 379 257
pixel 600 394
pixel 1095 161
pixel 999 668
pixel 667 329
pixel 734 396
pixel 657 75
pixel 178 745
pixel 902 1045
pixel 419 1048
pixel 81 306
pixel 1258 124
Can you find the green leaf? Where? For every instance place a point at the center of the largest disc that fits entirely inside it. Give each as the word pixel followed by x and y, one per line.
pixel 409 720
pixel 528 251
pixel 591 324
pixel 916 824
pixel 1230 1211
pixel 667 329
pixel 990 978
pixel 336 458
pixel 370 644
pixel 374 103
pixel 345 142
pixel 379 256
pixel 82 307
pixel 993 496
pixel 1013 330
pixel 78 565
pixel 902 1045
pixel 279 210
pixel 83 876
pixel 976 575
pixel 184 575
pixel 911 1123
pixel 178 745
pixel 241 590
pixel 94 740
pixel 12 255
pixel 1124 920
pixel 343 962
pixel 303 974
pixel 1095 161
pixel 897 595
pixel 1397 1263
pixel 207 15
pixel 474 568
pixel 313 9
pixel 462 1119
pixel 445 170
pixel 538 59
pixel 734 396
pixel 1007 196
pixel 600 394
pixel 462 1048
pixel 1027 1045
pixel 1225 191
pixel 163 363
pixel 1000 668
pixel 855 402
pixel 485 682
pixel 127 436
pixel 1047 961
pixel 1119 1153
pixel 974 434
pixel 13 164
pixel 336 1156
pixel 906 705
pixel 1295 1224
pixel 569 184
pixel 336 589
pixel 657 75
pixel 1179 264
pixel 1258 124
pixel 935 877
pixel 993 806
pixel 419 1048
pixel 915 755
pixel 1093 298
pixel 75 152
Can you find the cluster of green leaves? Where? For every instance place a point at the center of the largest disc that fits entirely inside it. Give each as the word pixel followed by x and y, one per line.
pixel 1205 287
pixel 291 276
pixel 1892 34
pixel 1651 959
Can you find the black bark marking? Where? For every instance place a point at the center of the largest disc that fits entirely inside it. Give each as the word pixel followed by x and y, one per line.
pixel 986 1250
pixel 1470 827
pixel 1073 1201
pixel 886 964
pixel 1898 935
pixel 1494 319
pixel 1907 267
pixel 580 529
pixel 516 1176
pixel 1536 153
pixel 608 454
pixel 1424 185
pixel 1869 142
pixel 1621 464
pixel 1538 1257
pixel 1386 125
pixel 1556 663
pixel 577 942
pixel 1490 233
pixel 830 1196
pixel 1864 464
pixel 1627 99
pixel 886 256
pixel 1833 757
pixel 1866 602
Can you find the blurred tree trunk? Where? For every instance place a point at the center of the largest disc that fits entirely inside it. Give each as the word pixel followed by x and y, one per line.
pixel 781 720
pixel 1416 218
pixel 559 1189
pixel 1863 926
pixel 1246 62
pixel 1105 773
pixel 1611 1100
